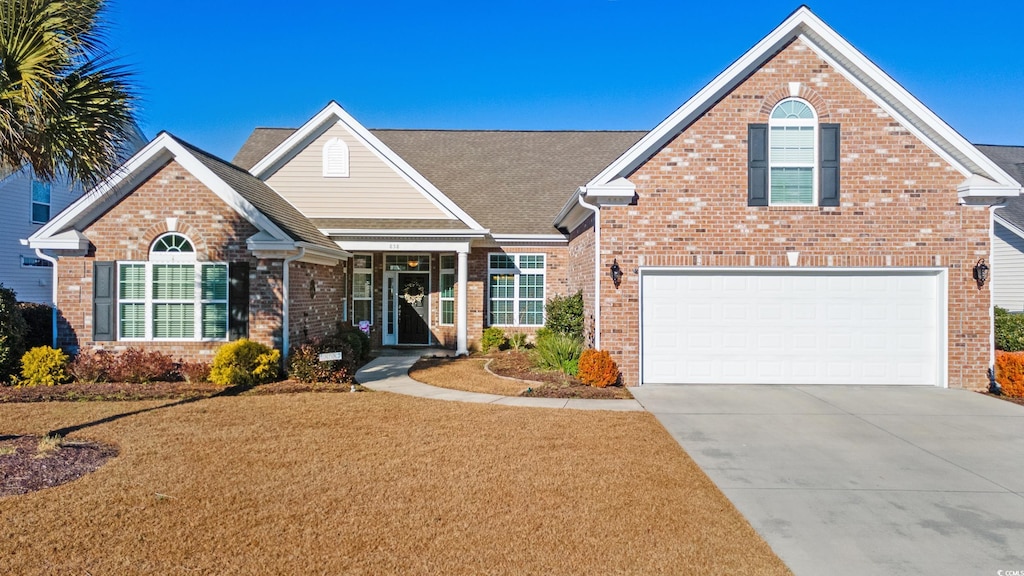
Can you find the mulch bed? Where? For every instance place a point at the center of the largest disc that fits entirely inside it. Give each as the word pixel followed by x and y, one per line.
pixel 23 469
pixel 518 364
pixel 105 391
pixel 1006 398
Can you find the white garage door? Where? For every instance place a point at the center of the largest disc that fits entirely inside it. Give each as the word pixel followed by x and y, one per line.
pixel 782 326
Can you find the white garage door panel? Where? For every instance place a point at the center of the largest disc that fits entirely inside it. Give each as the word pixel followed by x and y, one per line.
pixel 785 327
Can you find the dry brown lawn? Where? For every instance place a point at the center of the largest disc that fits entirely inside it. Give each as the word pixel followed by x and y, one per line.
pixel 466 374
pixel 372 483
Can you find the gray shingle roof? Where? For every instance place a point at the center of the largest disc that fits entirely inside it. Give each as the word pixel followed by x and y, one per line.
pixel 1010 159
pixel 264 198
pixel 511 182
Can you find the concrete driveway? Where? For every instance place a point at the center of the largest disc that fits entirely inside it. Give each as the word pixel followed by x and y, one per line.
pixel 862 480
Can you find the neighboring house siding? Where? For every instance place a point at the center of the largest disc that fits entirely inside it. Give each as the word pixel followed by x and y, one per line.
pixel 898 208
pixel 373 188
pixel 126 231
pixel 32 284
pixel 1007 269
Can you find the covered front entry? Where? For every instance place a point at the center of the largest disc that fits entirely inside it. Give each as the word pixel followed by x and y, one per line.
pixel 793 326
pixel 407 281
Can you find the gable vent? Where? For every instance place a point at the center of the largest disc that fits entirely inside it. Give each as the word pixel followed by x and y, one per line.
pixel 335 159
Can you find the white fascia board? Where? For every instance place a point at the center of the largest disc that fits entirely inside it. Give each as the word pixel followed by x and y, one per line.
pixel 428 233
pixel 530 238
pixel 980 188
pixel 618 192
pixel 404 245
pixel 899 103
pixel 334 112
pixel 69 240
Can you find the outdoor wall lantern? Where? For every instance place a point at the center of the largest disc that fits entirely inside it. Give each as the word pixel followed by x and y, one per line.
pixel 981 272
pixel 414 262
pixel 616 273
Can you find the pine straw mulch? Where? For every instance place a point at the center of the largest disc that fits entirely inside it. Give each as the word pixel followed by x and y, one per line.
pixel 30 463
pixel 371 483
pixel 508 373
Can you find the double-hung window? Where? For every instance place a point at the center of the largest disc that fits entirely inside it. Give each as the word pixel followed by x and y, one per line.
pixel 40 201
pixel 447 280
pixel 172 296
pixel 516 289
pixel 362 289
pixel 792 154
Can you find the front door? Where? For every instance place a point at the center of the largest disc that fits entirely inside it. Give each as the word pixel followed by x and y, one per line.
pixel 413 303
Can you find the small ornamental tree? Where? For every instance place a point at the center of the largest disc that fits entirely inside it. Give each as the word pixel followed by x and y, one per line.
pixel 564 315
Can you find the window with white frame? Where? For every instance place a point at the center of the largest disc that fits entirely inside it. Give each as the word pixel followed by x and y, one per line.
pixel 40 202
pixel 792 154
pixel 447 280
pixel 172 296
pixel 515 289
pixel 335 158
pixel 362 288
pixel 35 262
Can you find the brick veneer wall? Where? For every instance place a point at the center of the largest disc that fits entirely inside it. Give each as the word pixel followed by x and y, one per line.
pixel 317 295
pixel 126 231
pixel 581 272
pixel 898 208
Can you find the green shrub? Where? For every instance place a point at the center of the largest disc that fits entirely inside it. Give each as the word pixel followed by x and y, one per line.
pixel 304 362
pixel 564 315
pixel 245 363
pixel 358 342
pixel 12 334
pixel 39 321
pixel 43 366
pixel 517 341
pixel 1009 330
pixel 493 339
pixel 558 352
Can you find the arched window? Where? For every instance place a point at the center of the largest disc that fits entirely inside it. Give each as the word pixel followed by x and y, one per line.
pixel 335 158
pixel 172 296
pixel 793 154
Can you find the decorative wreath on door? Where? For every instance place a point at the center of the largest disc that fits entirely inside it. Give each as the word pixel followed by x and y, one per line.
pixel 413 293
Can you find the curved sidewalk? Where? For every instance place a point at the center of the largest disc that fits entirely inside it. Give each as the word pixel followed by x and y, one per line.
pixel 391 374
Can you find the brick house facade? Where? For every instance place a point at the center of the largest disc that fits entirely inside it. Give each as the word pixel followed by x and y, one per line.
pixel 856 188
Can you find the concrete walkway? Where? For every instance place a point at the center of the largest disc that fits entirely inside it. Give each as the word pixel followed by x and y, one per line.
pixel 390 373
pixel 856 480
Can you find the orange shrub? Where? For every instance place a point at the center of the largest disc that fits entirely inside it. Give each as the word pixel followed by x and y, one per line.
pixel 1010 373
pixel 597 369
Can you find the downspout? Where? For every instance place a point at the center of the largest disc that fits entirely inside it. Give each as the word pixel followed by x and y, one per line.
pixel 993 386
pixel 597 265
pixel 53 295
pixel 286 304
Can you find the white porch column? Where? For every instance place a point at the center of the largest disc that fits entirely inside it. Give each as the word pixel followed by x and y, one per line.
pixel 462 320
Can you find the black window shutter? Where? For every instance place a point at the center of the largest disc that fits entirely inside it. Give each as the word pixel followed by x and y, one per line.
pixel 829 169
pixel 238 300
pixel 757 165
pixel 104 302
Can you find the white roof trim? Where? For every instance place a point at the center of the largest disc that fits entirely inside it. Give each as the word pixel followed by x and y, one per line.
pixel 162 149
pixel 1007 224
pixel 979 187
pixel 334 112
pixel 848 61
pixel 384 232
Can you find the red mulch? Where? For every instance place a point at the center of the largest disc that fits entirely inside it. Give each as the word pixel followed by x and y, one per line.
pixel 517 364
pixel 24 470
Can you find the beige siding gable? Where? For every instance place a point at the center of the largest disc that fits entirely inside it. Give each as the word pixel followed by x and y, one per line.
pixel 372 189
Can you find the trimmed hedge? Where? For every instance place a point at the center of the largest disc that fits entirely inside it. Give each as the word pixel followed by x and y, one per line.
pixel 12 334
pixel 1009 330
pixel 564 315
pixel 43 366
pixel 245 363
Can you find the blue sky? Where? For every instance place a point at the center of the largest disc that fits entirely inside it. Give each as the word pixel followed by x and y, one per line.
pixel 210 71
